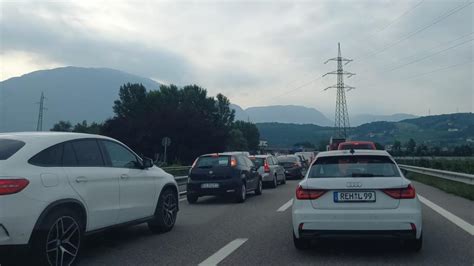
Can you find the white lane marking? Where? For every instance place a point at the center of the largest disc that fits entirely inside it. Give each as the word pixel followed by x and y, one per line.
pixel 451 217
pixel 285 206
pixel 183 199
pixel 223 252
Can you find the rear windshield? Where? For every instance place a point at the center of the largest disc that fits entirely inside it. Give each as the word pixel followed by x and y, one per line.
pixel 287 159
pixel 8 147
pixel 356 147
pixel 258 161
pixel 353 166
pixel 212 161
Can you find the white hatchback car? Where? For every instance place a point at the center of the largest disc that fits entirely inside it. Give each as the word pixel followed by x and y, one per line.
pixel 57 187
pixel 356 193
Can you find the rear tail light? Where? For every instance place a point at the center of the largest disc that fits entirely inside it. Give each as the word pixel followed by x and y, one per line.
pixel 401 193
pixel 233 162
pixel 12 186
pixel 266 167
pixel 413 227
pixel 309 194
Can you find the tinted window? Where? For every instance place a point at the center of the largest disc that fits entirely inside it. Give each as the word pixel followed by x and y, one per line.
pixel 287 159
pixel 8 147
pixel 88 153
pixel 258 161
pixel 50 157
pixel 69 156
pixel 212 161
pixel 120 156
pixel 353 166
pixel 249 162
pixel 356 147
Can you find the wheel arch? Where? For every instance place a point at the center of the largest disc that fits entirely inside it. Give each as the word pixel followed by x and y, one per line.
pixel 63 203
pixel 174 188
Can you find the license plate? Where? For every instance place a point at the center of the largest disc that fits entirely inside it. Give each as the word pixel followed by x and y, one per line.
pixel 354 196
pixel 209 185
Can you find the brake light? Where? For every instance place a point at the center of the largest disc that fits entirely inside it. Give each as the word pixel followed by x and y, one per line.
pixel 12 186
pixel 311 194
pixel 233 162
pixel 401 193
pixel 266 167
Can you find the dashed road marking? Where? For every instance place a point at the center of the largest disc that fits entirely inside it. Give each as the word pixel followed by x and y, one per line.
pixel 222 253
pixel 285 206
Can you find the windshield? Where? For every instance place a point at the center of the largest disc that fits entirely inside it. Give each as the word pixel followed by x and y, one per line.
pixel 212 161
pixel 353 166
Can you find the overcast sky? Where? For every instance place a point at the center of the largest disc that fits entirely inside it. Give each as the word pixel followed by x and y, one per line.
pixel 409 56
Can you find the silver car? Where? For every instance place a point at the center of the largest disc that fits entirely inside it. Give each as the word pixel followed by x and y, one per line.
pixel 267 166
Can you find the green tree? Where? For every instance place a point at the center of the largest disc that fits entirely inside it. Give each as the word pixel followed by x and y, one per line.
pixel 237 141
pixel 250 133
pixel 83 127
pixel 62 126
pixel 411 145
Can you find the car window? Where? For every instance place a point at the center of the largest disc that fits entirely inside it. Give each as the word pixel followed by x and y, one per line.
pixel 120 156
pixel 353 166
pixel 258 161
pixel 69 156
pixel 287 159
pixel 50 157
pixel 8 147
pixel 213 161
pixel 88 153
pixel 250 164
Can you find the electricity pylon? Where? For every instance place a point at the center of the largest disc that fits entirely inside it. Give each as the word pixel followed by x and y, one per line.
pixel 341 119
pixel 39 125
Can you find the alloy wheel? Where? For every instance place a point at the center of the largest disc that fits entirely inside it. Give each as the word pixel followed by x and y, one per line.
pixel 169 209
pixel 63 241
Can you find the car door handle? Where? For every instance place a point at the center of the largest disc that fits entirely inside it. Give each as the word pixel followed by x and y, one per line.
pixel 124 176
pixel 81 179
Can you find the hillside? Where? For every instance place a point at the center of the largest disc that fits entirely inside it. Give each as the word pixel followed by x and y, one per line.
pixel 439 130
pixel 72 93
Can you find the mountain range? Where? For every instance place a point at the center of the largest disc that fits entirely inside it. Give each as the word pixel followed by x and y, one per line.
pixel 436 130
pixel 77 94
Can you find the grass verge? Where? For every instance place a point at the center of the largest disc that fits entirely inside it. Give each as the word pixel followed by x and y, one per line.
pixel 452 187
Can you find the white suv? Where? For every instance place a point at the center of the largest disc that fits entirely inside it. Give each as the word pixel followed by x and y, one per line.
pixel 356 193
pixel 57 187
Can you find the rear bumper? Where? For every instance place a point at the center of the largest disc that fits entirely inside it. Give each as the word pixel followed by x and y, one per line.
pixel 295 173
pixel 400 234
pixel 403 222
pixel 225 186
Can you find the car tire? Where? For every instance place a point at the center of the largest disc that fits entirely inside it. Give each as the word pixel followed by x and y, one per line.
pixel 414 245
pixel 241 193
pixel 166 212
pixel 274 183
pixel 258 190
pixel 191 198
pixel 60 232
pixel 301 244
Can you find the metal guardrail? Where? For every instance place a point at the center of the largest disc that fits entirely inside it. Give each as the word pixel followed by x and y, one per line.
pixel 181 180
pixel 454 176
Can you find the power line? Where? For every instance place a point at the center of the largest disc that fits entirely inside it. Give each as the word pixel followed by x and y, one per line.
pixel 399 17
pixel 437 70
pixel 429 50
pixel 436 21
pixel 428 56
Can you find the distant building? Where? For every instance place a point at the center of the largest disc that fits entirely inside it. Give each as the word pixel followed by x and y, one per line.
pixel 453 129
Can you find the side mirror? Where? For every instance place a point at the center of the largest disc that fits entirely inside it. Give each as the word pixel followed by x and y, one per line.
pixel 147 163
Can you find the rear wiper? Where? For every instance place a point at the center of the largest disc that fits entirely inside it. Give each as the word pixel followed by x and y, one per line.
pixel 362 175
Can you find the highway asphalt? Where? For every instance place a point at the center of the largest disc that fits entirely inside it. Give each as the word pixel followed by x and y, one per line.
pixel 258 232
